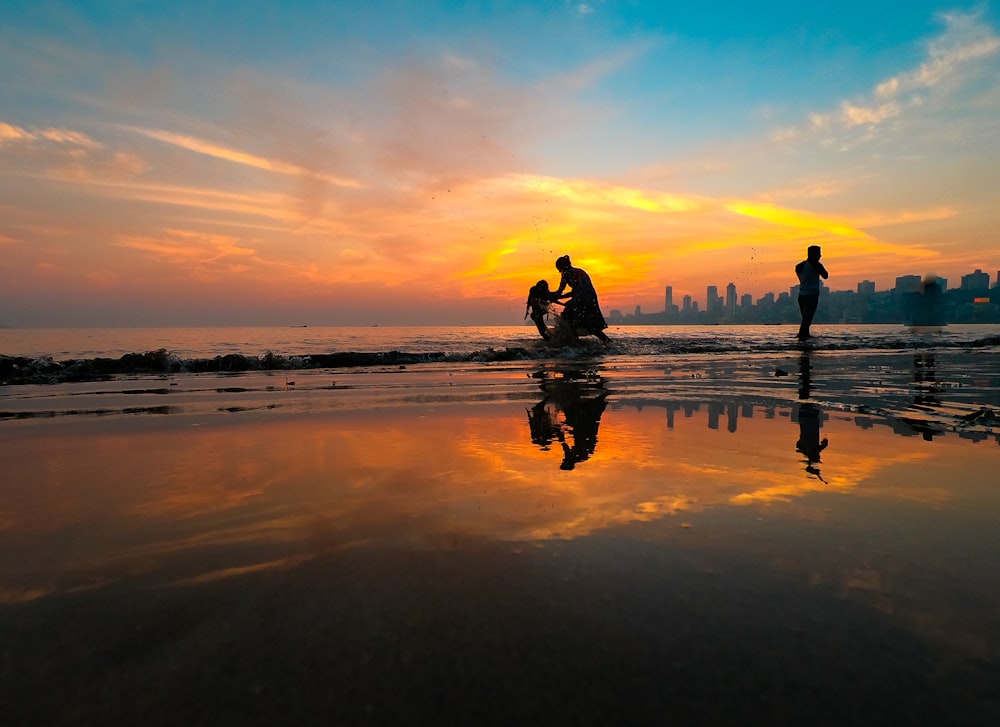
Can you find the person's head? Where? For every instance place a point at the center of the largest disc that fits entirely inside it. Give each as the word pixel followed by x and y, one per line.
pixel 563 263
pixel 815 252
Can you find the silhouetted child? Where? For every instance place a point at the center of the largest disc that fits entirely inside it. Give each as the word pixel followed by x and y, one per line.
pixel 537 306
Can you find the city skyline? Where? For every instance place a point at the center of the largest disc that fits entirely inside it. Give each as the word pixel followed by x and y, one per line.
pixel 261 163
pixel 910 282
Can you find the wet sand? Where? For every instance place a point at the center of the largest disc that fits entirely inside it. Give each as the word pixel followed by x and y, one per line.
pixel 767 539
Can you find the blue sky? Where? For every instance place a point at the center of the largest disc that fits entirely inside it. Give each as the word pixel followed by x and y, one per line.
pixel 331 157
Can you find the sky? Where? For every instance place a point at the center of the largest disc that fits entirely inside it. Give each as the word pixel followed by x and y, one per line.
pixel 402 163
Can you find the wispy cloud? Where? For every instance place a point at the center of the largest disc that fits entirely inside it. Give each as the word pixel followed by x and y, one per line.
pixel 236 156
pixel 956 57
pixel 10 133
pixel 952 57
pixel 202 255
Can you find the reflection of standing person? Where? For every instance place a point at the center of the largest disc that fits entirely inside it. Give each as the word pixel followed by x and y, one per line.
pixel 809 272
pixel 809 442
pixel 582 310
pixel 583 418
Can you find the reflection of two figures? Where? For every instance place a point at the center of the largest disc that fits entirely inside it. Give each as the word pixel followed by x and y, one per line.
pixel 570 413
pixel 810 415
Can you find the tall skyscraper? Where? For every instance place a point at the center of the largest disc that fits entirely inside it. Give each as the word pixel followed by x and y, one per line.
pixel 731 299
pixel 668 299
pixel 712 299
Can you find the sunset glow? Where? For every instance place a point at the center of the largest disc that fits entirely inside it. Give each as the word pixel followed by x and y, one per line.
pixel 332 164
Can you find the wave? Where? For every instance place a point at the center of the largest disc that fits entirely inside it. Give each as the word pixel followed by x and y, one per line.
pixel 15 370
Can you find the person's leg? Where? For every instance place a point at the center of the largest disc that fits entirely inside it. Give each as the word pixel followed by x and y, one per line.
pixel 540 325
pixel 807 309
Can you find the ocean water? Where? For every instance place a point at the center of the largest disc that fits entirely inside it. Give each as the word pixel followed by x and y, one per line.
pixel 941 379
pixel 470 342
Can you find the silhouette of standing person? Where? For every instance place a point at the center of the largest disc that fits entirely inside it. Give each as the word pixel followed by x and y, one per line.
pixel 582 311
pixel 809 271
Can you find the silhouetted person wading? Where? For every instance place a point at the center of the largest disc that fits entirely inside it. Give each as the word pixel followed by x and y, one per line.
pixel 582 311
pixel 809 271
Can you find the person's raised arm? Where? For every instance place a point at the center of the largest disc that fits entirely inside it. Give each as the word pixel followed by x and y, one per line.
pixel 562 286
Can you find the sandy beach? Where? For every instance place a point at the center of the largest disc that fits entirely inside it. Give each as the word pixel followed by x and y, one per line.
pixel 768 539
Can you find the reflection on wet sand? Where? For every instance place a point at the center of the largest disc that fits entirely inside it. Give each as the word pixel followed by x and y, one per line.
pixel 450 559
pixel 117 500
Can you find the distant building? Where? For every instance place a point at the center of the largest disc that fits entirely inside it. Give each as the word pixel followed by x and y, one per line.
pixel 686 303
pixel 731 299
pixel 713 300
pixel 976 281
pixel 668 299
pixel 908 284
pixel 746 301
pixel 866 287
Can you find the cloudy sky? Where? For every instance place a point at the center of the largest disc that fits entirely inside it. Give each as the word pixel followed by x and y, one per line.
pixel 340 163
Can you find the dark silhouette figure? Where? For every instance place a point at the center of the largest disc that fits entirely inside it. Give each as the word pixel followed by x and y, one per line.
pixel 582 313
pixel 581 403
pixel 543 424
pixel 809 272
pixel 809 442
pixel 583 417
pixel 537 306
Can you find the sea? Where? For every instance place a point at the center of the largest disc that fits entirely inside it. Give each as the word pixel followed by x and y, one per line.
pixel 176 350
